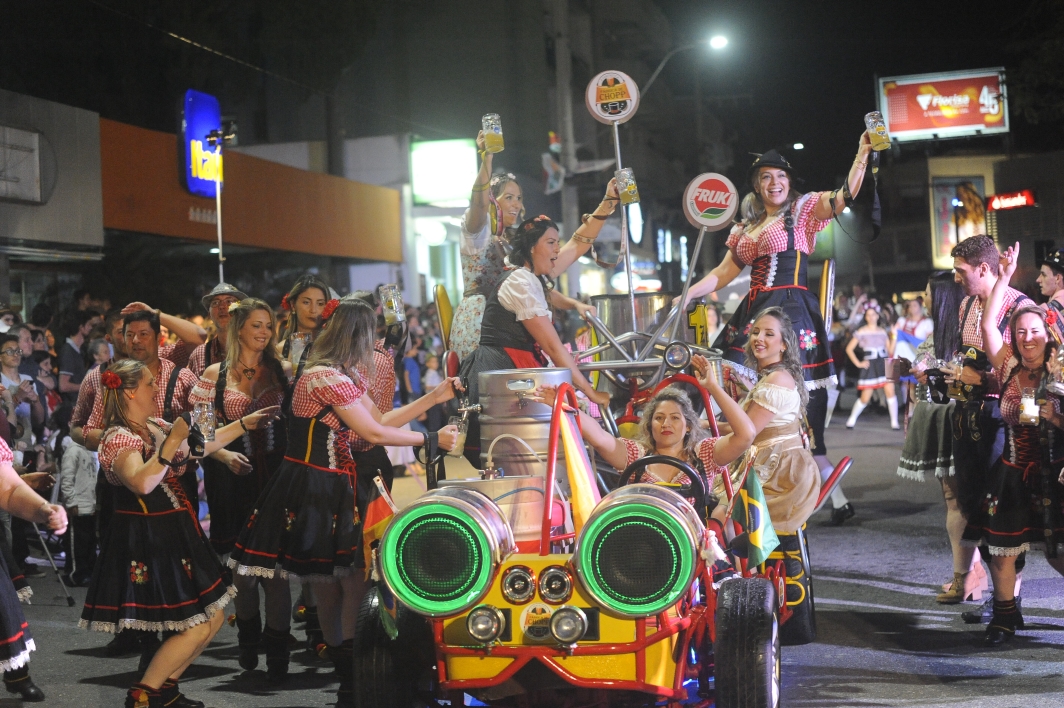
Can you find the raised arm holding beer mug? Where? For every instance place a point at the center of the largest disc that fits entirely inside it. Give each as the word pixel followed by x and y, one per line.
pixel 775 237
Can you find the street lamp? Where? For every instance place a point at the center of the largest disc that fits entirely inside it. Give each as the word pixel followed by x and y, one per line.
pixel 716 42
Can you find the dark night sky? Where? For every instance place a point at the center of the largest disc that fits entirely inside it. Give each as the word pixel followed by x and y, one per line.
pixel 811 65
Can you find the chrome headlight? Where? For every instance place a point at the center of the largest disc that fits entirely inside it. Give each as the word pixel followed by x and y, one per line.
pixel 485 623
pixel 518 584
pixel 568 624
pixel 555 584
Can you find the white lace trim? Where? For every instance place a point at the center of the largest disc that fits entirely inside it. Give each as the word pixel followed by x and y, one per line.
pixel 770 281
pixel 170 493
pixel 210 611
pixel 751 375
pixel 916 473
pixel 331 446
pixel 24 594
pixel 23 658
pixel 260 572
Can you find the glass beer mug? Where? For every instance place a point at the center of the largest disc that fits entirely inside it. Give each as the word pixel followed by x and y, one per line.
pixel 203 417
pixel 1029 413
pixel 1056 373
pixel 956 388
pixel 492 125
pixel 877 131
pixel 392 304
pixel 626 186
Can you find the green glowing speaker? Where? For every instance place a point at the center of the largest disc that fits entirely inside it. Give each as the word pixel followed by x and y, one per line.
pixel 638 553
pixel 439 555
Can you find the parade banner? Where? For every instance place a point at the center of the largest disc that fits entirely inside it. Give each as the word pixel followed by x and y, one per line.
pixel 948 105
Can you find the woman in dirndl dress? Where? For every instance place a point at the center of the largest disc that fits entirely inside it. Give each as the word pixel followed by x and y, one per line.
pixel 156 570
pixel 877 345
pixel 16 642
pixel 496 206
pixel 248 379
pixel 775 238
pixel 305 523
pixel 1024 503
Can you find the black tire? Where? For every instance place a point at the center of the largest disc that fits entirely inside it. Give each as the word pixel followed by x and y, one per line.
pixel 387 672
pixel 801 627
pixel 747 651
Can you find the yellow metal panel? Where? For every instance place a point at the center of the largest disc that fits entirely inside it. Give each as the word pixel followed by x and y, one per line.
pixel 465 668
pixel 619 667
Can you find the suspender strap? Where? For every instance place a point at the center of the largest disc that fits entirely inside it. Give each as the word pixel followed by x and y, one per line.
pixel 168 402
pixel 788 223
pixel 219 394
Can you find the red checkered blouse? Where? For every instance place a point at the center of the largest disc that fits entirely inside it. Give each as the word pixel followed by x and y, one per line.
pixel 118 439
pixel 773 237
pixel 186 380
pixel 637 450
pixel 381 389
pixel 322 388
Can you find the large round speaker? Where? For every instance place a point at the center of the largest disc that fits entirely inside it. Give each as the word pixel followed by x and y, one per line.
pixel 439 555
pixel 638 552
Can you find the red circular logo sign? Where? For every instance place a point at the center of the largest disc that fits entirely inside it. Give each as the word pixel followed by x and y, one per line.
pixel 711 200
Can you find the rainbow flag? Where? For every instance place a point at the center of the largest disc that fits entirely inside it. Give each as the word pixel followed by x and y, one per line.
pixel 379 513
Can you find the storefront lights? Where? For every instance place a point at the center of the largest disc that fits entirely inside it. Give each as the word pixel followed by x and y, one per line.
pixel 635 222
pixel 442 172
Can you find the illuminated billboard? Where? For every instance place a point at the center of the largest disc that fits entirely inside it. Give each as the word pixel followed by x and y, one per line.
pixel 947 105
pixel 200 115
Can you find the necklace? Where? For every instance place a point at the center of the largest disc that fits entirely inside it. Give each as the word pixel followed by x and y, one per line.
pixel 248 371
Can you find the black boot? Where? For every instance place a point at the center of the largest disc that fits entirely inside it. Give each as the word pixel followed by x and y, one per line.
pixel 1003 625
pixel 840 515
pixel 248 638
pixel 141 696
pixel 173 698
pixel 149 644
pixel 276 644
pixel 342 657
pixel 315 639
pixel 19 681
pixel 125 643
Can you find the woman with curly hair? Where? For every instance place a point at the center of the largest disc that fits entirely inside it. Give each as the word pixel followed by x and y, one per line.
pixel 156 570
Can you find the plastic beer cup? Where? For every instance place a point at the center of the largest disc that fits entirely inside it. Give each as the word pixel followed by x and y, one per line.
pixel 492 125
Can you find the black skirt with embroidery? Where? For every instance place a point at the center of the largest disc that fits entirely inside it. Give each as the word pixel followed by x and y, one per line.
pixel 16 643
pixel 156 570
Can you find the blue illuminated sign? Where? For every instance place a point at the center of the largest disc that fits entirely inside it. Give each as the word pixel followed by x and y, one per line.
pixel 200 116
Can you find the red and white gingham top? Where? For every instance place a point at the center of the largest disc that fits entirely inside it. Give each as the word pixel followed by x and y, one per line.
pixel 6 458
pixel 87 395
pixel 971 332
pixel 381 390
pixel 177 353
pixel 119 439
pixel 186 380
pixel 197 361
pixel 773 238
pixel 325 388
pixel 636 451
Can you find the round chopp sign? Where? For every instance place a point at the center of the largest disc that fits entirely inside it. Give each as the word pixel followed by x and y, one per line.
pixel 612 97
pixel 711 201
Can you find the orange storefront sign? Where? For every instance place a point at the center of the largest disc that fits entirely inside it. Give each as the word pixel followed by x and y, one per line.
pixel 264 204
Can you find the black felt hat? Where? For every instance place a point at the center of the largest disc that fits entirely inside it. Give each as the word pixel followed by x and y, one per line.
pixel 773 159
pixel 1055 260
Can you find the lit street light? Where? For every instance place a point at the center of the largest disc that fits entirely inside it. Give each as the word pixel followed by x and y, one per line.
pixel 799 146
pixel 716 42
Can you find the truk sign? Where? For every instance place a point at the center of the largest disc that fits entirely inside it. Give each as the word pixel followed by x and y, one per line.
pixel 200 115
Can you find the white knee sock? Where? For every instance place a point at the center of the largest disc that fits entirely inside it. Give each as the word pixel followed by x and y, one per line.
pixel 892 406
pixel 858 406
pixel 838 499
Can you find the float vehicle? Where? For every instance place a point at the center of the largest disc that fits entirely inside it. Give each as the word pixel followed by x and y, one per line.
pixel 622 612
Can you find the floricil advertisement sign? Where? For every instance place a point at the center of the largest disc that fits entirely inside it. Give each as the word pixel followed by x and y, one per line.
pixel 948 105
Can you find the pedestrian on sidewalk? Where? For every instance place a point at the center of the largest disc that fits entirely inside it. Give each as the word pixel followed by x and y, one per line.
pixel 77 493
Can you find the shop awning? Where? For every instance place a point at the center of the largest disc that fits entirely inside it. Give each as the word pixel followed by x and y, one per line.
pixel 264 204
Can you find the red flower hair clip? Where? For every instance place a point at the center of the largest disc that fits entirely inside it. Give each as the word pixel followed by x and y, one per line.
pixel 111 380
pixel 285 305
pixel 330 308
pixel 1051 318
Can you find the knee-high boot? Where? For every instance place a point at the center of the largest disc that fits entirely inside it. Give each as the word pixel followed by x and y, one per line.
pixel 248 638
pixel 275 642
pixel 342 657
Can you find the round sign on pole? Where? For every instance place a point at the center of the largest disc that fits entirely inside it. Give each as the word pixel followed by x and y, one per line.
pixel 710 201
pixel 612 97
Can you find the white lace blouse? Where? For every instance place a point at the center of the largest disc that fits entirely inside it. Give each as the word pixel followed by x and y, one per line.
pixel 522 294
pixel 784 402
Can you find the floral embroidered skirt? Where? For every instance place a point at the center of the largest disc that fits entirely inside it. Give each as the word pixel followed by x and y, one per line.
pixel 303 524
pixel 156 570
pixel 465 328
pixel 803 307
pixel 16 643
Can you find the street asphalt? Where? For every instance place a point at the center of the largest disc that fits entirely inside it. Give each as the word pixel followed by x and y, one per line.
pixel 883 640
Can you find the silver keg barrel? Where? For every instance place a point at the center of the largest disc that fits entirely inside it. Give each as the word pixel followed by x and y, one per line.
pixel 651 309
pixel 505 409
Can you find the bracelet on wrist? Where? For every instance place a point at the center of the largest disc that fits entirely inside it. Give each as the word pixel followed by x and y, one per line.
pixel 481 187
pixel 241 420
pixel 579 238
pixel 162 460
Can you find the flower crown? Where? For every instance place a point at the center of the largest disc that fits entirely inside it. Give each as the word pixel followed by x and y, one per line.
pixel 111 380
pixel 531 223
pixel 502 177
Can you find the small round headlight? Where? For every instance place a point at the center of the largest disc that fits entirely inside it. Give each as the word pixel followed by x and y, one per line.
pixel 518 585
pixel 568 624
pixel 555 585
pixel 485 623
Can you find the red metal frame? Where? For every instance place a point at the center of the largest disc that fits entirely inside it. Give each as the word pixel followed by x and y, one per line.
pixel 566 394
pixel 688 379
